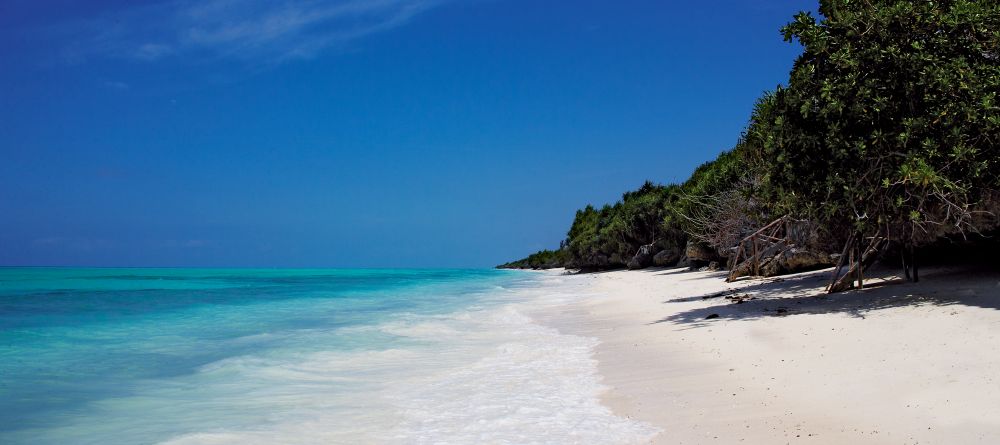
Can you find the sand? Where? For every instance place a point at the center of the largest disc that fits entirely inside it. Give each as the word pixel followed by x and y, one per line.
pixel 899 363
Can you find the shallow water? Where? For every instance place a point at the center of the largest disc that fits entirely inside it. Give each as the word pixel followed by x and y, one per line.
pixel 214 356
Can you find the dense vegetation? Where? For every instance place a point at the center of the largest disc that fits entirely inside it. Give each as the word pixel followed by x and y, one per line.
pixel 890 121
pixel 543 259
pixel 888 126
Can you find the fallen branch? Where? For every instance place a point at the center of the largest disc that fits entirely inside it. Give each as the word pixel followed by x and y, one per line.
pixel 846 282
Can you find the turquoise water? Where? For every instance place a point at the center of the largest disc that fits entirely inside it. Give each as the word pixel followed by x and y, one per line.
pixel 131 356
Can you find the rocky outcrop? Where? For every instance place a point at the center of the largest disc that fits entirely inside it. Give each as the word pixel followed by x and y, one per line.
pixel 642 259
pixel 794 260
pixel 666 258
pixel 711 267
pixel 699 255
pixel 700 252
pixel 684 262
pixel 593 262
pixel 786 261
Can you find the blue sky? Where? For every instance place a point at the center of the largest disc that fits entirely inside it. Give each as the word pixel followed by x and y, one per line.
pixel 378 133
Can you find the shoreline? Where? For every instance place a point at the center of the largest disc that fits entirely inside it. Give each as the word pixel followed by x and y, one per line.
pixel 896 363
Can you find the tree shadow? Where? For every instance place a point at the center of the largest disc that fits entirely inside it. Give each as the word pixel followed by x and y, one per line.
pixel 655 270
pixel 797 285
pixel 804 294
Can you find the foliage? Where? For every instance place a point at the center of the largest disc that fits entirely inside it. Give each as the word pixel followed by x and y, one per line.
pixel 890 121
pixel 610 236
pixel 889 124
pixel 544 259
pixel 718 206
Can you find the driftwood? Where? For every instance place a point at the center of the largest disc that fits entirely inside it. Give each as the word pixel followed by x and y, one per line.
pixel 777 237
pixel 859 260
pixel 752 265
pixel 840 262
pixel 770 240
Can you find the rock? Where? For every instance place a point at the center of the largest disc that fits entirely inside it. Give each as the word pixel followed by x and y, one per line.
pixel 788 261
pixel 711 316
pixel 794 260
pixel 666 257
pixel 711 267
pixel 642 259
pixel 590 263
pixel 700 252
pixel 683 262
pixel 600 260
pixel 618 259
pixel 798 260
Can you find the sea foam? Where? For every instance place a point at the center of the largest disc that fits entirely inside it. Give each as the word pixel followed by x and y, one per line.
pixel 457 360
pixel 536 386
pixel 488 375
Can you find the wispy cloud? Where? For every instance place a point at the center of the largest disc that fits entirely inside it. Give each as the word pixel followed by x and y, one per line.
pixel 252 30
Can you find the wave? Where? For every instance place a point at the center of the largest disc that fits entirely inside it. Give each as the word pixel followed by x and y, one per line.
pixel 481 375
pixel 446 358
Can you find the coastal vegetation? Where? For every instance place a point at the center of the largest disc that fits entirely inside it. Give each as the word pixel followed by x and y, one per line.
pixel 883 139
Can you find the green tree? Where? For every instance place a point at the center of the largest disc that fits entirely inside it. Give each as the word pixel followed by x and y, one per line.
pixel 890 121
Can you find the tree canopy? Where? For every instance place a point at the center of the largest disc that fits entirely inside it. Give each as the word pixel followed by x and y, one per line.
pixel 890 120
pixel 888 125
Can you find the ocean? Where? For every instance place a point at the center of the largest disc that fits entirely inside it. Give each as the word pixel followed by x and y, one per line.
pixel 294 356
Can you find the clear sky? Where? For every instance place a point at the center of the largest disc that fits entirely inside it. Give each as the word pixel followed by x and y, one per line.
pixel 365 133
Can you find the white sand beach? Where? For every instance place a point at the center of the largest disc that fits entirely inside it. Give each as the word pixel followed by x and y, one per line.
pixel 898 363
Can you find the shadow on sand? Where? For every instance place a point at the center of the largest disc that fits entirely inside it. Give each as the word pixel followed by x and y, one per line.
pixel 804 294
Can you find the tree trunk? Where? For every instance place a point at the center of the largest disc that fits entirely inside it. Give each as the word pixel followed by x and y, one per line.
pixel 906 262
pixel 864 261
